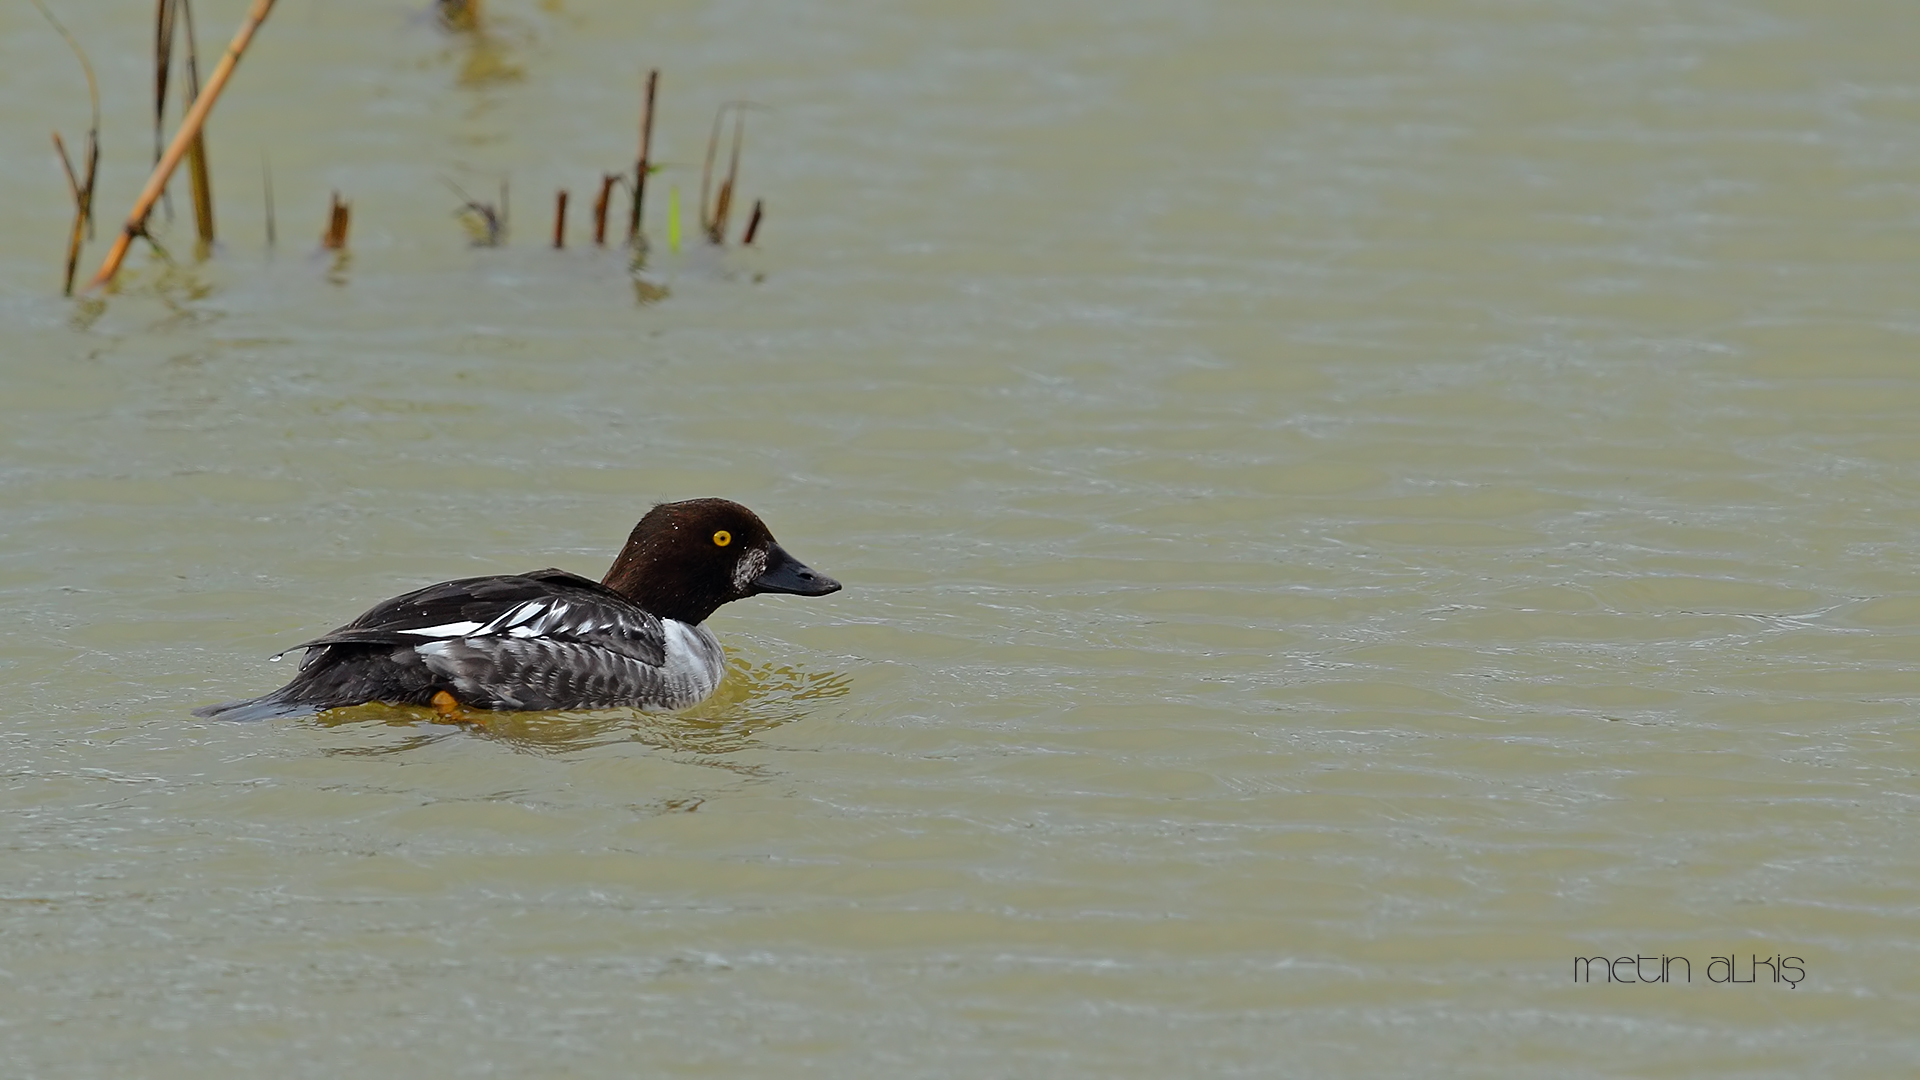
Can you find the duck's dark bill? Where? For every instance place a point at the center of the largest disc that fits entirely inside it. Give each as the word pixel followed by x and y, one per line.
pixel 786 574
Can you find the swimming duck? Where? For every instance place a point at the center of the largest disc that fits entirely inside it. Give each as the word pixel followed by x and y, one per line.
pixel 553 640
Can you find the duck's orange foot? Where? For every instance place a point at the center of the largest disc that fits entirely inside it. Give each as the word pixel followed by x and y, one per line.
pixel 449 708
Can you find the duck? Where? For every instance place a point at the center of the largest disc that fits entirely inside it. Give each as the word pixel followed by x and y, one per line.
pixel 549 639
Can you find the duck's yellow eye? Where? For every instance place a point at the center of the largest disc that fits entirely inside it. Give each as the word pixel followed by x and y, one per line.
pixel 722 538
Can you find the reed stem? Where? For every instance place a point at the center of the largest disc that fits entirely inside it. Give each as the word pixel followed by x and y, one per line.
pixel 163 23
pixel 197 170
pixel 753 223
pixel 600 208
pixel 82 193
pixel 723 203
pixel 646 150
pixel 82 203
pixel 339 219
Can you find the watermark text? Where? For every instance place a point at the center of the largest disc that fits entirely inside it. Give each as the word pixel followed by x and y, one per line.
pixel 1729 969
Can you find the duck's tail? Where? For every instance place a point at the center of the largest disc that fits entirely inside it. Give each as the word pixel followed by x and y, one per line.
pixel 265 707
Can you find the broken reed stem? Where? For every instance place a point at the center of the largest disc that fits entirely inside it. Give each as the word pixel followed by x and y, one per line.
pixel 93 92
pixel 163 21
pixel 82 203
pixel 93 86
pixel 82 193
pixel 93 173
pixel 713 216
pixel 493 222
pixel 560 219
pixel 197 150
pixel 339 218
pixel 73 182
pixel 600 208
pixel 202 188
pixel 162 67
pixel 459 15
pixel 706 171
pixel 190 125
pixel 646 148
pixel 753 224
pixel 723 203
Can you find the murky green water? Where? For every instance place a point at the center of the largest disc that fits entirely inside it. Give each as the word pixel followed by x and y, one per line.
pixel 1345 508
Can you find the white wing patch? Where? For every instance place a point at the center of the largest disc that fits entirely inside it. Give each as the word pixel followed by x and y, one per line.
pixel 522 613
pixel 445 630
pixel 684 659
pixel 515 621
pixel 541 620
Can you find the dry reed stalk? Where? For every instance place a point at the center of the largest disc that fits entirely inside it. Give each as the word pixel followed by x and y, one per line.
pixel 202 189
pixel 493 222
pixel 82 192
pixel 82 202
pixel 723 202
pixel 560 219
pixel 190 125
pixel 753 223
pixel 163 22
pixel 713 221
pixel 646 149
pixel 706 170
pixel 66 163
pixel 339 218
pixel 600 208
pixel 459 15
pixel 197 150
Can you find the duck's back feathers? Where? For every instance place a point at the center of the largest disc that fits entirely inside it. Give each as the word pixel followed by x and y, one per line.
pixel 550 604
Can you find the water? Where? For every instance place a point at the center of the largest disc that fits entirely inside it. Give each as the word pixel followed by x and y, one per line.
pixel 1345 508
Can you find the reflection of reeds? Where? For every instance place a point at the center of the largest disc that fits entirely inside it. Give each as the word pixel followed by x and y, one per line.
pixel 266 183
pixel 190 125
pixel 646 149
pixel 339 217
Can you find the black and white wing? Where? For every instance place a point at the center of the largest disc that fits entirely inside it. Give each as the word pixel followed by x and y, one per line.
pixel 545 604
pixel 546 640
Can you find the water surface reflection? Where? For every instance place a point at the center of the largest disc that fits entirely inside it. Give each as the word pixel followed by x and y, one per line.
pixel 752 699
